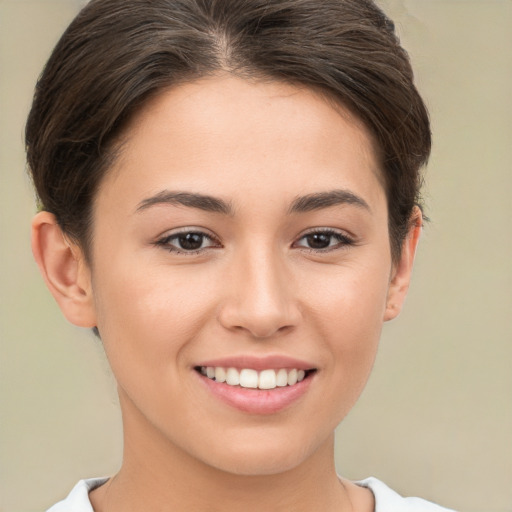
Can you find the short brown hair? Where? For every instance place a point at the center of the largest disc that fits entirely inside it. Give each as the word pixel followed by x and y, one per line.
pixel 116 54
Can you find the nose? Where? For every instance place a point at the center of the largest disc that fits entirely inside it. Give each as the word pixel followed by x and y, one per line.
pixel 260 297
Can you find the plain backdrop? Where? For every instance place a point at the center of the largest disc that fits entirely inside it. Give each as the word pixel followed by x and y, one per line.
pixel 436 417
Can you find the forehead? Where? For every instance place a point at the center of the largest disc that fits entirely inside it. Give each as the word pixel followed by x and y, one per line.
pixel 219 133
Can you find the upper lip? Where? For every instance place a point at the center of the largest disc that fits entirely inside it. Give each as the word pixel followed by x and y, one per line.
pixel 259 362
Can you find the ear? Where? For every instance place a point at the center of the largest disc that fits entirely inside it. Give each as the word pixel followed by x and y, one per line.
pixel 402 270
pixel 64 270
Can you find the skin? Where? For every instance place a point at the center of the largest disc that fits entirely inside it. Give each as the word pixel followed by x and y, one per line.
pixel 254 287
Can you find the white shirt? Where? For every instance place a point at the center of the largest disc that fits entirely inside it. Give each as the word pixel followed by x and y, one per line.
pixel 386 500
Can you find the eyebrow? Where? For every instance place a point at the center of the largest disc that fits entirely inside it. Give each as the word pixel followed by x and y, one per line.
pixel 192 200
pixel 302 204
pixel 322 200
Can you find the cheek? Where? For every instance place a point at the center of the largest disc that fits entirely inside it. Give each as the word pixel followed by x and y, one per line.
pixel 350 301
pixel 348 314
pixel 149 315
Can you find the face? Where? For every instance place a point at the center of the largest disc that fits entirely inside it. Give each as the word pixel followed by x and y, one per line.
pixel 243 234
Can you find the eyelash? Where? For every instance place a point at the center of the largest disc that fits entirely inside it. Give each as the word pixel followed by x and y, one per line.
pixel 342 239
pixel 165 242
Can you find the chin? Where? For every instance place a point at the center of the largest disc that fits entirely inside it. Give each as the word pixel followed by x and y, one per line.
pixel 263 458
pixel 259 465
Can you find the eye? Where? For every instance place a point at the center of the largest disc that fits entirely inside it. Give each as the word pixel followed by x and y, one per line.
pixel 188 242
pixel 324 240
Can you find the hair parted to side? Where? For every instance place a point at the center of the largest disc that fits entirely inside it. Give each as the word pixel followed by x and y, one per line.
pixel 116 54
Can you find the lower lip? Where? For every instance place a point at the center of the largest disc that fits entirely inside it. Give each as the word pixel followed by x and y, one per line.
pixel 257 401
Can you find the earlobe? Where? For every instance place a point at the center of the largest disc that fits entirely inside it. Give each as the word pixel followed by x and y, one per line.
pixel 402 270
pixel 64 270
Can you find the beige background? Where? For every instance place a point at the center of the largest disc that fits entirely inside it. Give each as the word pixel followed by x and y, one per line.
pixel 436 418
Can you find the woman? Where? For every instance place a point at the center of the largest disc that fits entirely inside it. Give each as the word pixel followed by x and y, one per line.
pixel 229 195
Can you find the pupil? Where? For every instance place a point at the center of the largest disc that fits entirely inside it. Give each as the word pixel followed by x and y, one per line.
pixel 319 240
pixel 191 241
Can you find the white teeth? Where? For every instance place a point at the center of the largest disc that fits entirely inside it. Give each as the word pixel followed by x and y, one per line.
pixel 220 374
pixel 282 378
pixel 248 378
pixel 292 377
pixel 267 379
pixel 232 377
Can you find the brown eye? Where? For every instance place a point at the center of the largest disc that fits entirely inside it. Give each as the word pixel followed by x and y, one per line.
pixel 319 240
pixel 324 240
pixel 188 242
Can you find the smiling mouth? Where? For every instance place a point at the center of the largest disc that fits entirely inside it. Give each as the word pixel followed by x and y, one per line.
pixel 253 379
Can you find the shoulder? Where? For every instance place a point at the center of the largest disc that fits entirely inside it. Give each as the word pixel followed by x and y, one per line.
pixel 78 498
pixel 387 500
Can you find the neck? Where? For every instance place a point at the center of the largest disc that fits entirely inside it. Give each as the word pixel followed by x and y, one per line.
pixel 158 476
